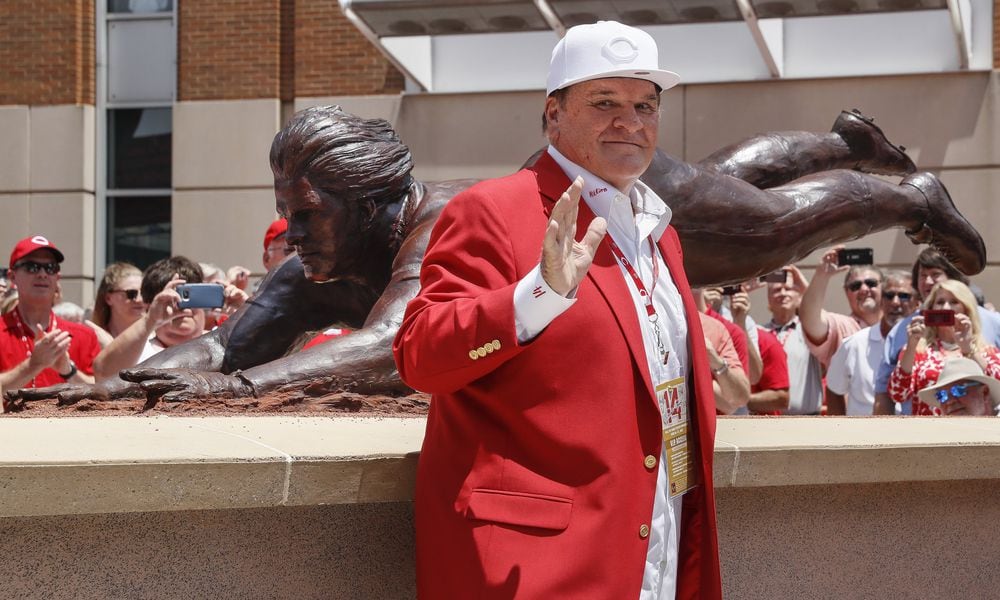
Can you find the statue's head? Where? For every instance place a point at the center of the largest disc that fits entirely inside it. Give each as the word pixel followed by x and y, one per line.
pixel 335 176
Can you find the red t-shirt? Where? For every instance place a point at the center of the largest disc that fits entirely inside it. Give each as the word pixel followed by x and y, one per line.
pixel 739 338
pixel 17 339
pixel 774 374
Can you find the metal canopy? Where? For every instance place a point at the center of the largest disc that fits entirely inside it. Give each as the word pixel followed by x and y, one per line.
pixel 416 34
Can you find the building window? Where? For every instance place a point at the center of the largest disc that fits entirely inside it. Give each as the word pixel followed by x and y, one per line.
pixel 138 229
pixel 136 100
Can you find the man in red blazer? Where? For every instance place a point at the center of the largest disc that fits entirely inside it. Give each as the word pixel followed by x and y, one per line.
pixel 568 451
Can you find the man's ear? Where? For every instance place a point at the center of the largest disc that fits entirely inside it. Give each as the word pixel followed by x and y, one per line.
pixel 553 113
pixel 368 211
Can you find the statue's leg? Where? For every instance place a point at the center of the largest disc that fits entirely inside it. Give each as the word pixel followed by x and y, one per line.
pixel 731 231
pixel 774 159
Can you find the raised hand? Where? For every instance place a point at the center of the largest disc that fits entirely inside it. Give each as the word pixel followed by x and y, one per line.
pixel 564 260
pixel 178 385
pixel 829 264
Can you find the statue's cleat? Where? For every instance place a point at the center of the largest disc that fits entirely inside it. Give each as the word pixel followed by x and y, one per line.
pixel 874 152
pixel 945 228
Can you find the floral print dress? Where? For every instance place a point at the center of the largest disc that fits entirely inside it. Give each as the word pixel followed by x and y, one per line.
pixel 927 367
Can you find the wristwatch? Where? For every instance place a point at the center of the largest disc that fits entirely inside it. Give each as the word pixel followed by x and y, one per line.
pixel 722 369
pixel 72 370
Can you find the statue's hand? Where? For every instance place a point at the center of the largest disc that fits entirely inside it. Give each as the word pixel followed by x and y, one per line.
pixel 71 393
pixel 178 385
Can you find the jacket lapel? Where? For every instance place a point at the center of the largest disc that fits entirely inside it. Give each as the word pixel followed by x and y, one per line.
pixel 604 272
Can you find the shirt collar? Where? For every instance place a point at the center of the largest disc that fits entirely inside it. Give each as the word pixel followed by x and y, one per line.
pixel 641 211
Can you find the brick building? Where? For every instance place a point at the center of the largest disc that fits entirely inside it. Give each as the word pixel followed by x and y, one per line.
pixel 134 129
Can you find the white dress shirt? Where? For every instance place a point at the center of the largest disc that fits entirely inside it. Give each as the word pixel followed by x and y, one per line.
pixel 633 219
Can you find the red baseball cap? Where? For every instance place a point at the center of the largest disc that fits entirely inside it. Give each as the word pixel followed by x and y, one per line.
pixel 276 230
pixel 29 245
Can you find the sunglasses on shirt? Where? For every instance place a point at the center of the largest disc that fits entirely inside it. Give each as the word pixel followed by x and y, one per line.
pixel 856 285
pixel 130 294
pixel 903 296
pixel 33 267
pixel 956 391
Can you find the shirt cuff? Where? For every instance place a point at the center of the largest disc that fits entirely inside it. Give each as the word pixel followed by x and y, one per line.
pixel 536 305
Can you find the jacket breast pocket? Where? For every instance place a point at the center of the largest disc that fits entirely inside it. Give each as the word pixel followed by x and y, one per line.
pixel 519 508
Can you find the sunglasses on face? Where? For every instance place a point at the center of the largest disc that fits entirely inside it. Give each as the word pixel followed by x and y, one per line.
pixel 958 390
pixel 856 285
pixel 903 296
pixel 130 294
pixel 33 267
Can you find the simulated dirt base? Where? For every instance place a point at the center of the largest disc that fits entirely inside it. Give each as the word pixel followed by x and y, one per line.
pixel 338 403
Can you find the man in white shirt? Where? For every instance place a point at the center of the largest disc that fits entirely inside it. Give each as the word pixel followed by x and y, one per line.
pixel 572 394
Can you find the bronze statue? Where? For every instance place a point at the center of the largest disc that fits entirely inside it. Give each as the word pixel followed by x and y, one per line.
pixel 361 224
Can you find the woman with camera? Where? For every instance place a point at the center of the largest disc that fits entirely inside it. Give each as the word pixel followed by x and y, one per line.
pixel 947 327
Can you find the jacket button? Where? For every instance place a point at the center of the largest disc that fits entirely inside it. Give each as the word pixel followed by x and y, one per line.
pixel 644 531
pixel 650 461
pixel 473 354
pixel 481 351
pixel 496 344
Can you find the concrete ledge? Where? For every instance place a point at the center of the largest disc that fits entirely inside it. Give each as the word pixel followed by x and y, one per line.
pixel 797 451
pixel 127 464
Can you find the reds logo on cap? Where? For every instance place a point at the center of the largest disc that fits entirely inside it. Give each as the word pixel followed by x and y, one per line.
pixel 29 245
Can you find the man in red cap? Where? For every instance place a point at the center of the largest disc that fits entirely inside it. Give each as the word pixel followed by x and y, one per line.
pixel 275 248
pixel 37 348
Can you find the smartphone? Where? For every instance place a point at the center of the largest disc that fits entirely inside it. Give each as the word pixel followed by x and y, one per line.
pixel 855 256
pixel 775 277
pixel 730 290
pixel 201 295
pixel 939 318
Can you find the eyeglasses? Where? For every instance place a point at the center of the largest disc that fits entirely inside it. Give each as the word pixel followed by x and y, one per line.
pixel 903 296
pixel 130 294
pixel 856 285
pixel 958 390
pixel 33 267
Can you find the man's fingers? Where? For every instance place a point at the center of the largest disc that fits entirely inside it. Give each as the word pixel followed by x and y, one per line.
pixel 159 387
pixel 596 231
pixel 140 374
pixel 34 393
pixel 178 396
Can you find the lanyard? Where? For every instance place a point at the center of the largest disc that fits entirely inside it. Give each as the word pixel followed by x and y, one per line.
pixel 647 295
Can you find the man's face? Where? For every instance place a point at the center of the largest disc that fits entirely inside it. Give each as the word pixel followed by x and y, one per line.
pixel 276 252
pixel 975 402
pixel 182 328
pixel 864 291
pixel 782 298
pixel 898 301
pixel 325 231
pixel 36 287
pixel 607 126
pixel 927 277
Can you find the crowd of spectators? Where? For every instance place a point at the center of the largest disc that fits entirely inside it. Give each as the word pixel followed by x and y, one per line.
pixel 912 343
pixel 135 313
pixel 889 355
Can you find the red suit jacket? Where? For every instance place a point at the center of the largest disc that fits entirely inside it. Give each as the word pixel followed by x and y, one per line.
pixel 532 480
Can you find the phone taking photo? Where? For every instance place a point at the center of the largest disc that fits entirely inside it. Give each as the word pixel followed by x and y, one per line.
pixel 855 256
pixel 939 318
pixel 731 290
pixel 201 295
pixel 775 277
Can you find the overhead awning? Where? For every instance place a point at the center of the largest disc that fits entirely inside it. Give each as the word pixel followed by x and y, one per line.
pixel 481 45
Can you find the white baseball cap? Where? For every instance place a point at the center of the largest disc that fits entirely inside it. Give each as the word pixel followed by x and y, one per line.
pixel 606 49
